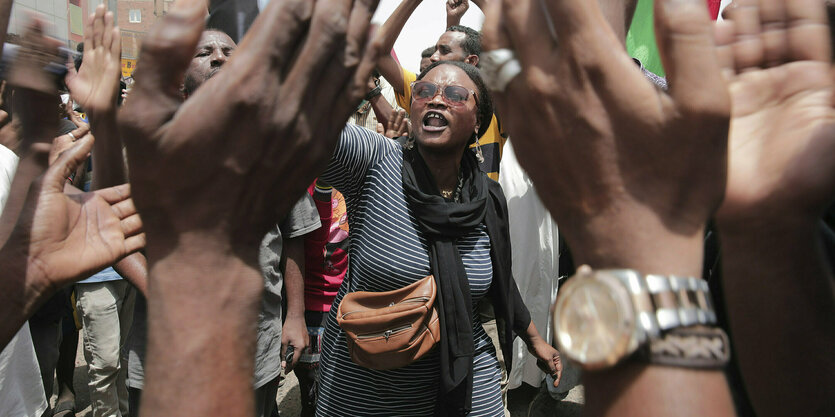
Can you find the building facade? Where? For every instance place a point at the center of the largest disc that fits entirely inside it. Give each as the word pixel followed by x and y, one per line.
pixel 64 20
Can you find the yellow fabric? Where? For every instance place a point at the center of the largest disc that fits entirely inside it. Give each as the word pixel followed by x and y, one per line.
pixel 493 134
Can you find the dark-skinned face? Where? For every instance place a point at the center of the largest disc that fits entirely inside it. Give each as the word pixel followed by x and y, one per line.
pixel 449 48
pixel 438 124
pixel 213 51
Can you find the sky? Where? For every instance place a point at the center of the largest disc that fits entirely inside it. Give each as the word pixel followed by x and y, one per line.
pixel 424 27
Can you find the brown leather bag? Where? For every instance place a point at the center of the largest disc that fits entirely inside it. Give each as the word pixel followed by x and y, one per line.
pixel 388 330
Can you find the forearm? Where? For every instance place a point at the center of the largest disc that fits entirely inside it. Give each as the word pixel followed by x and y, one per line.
pixel 19 296
pixel 781 304
pixel 635 389
pixel 202 308
pixel 384 43
pixel 382 109
pixel 294 277
pixel 388 33
pixel 134 269
pixel 108 162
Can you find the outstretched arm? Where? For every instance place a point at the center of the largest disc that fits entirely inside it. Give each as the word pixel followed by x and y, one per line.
pixel 96 87
pixel 209 189
pixel 384 42
pixel 591 133
pixel 61 238
pixel 777 285
pixel 455 10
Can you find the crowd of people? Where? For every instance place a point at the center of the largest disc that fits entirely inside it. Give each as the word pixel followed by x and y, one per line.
pixel 286 197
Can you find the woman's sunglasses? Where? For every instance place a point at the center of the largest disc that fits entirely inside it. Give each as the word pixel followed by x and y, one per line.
pixel 454 95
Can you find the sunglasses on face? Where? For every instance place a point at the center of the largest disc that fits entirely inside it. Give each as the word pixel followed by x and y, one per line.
pixel 454 95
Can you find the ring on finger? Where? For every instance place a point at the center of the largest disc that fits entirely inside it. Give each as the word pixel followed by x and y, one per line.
pixel 72 136
pixel 499 67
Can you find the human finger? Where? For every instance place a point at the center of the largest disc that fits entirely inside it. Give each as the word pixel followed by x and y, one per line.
pixel 723 34
pixel 528 30
pixel 63 142
pixel 293 17
pixel 328 26
pixel 808 30
pixel 774 32
pixel 107 31
pixel 116 43
pixel 685 40
pixel 124 208
pixel 575 17
pixel 748 45
pixel 134 243
pixel 358 60
pixel 494 34
pixel 168 49
pixel 88 34
pixel 131 225
pixel 98 27
pixel 116 194
pixel 66 164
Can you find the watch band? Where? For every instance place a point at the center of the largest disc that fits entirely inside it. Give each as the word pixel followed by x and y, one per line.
pixel 376 91
pixel 690 347
pixel 668 302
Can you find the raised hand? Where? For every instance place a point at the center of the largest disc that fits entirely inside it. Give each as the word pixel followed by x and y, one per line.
pixel 618 156
pixel 399 124
pixel 34 81
pixel 235 172
pixel 96 84
pixel 70 236
pixel 782 135
pixel 455 10
pixel 777 284
pixel 64 142
pixel 212 174
pixel 630 173
pixel 61 238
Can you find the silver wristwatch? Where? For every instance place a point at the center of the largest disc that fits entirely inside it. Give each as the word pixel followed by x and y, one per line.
pixel 604 316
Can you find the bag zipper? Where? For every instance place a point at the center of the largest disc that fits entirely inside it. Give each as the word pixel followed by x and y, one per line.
pixel 387 333
pixel 408 300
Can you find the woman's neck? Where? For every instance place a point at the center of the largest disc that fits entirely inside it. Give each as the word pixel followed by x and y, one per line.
pixel 444 167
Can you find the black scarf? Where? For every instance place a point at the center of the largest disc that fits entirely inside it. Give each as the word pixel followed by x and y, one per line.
pixel 443 222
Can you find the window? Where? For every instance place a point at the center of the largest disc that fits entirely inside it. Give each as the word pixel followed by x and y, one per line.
pixel 135 16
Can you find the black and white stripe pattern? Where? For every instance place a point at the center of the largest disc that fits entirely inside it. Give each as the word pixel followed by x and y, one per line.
pixel 387 253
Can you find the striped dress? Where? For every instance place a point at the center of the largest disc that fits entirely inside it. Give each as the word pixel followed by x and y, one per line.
pixel 388 252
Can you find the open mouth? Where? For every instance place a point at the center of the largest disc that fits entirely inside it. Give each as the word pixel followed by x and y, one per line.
pixel 434 122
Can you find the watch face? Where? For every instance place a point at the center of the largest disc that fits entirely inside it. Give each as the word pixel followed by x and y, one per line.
pixel 595 320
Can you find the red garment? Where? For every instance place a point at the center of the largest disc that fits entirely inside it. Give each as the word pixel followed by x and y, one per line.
pixel 713 7
pixel 325 251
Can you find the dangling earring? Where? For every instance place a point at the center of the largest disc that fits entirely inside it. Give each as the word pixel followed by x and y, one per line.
pixel 410 143
pixel 478 155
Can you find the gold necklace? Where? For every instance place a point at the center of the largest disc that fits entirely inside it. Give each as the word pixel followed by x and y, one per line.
pixel 447 193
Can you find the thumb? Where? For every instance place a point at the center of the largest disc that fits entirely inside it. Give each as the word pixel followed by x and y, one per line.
pixel 66 164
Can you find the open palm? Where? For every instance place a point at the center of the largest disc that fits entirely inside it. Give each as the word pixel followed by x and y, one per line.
pixel 782 134
pixel 96 84
pixel 66 237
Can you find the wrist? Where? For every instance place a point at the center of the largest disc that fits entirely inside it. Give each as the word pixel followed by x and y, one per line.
pixel 24 285
pixel 638 245
pixel 374 92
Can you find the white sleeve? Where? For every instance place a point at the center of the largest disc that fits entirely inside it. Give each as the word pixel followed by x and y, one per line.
pixel 8 166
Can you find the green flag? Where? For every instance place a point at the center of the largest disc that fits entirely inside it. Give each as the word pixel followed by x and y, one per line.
pixel 640 41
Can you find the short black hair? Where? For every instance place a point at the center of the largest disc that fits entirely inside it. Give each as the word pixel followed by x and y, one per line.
pixel 428 52
pixel 472 42
pixel 485 102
